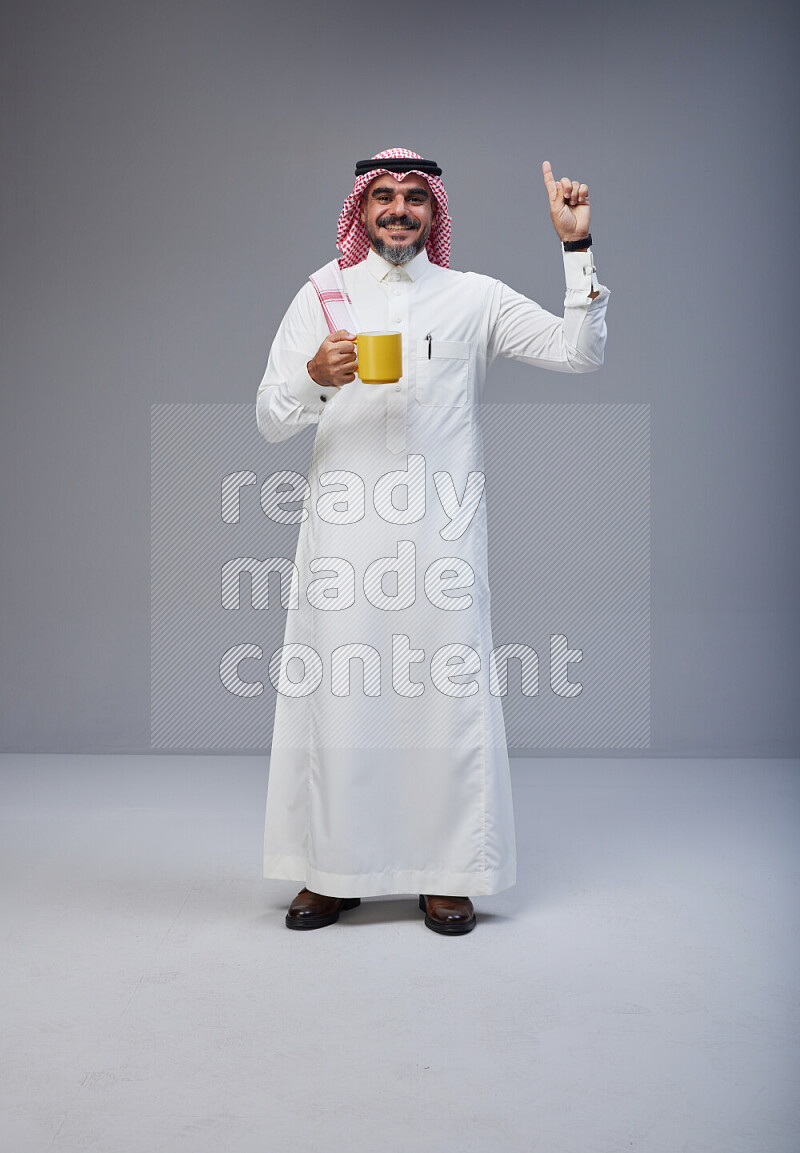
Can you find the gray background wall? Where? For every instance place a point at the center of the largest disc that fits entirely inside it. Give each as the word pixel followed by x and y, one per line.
pixel 171 174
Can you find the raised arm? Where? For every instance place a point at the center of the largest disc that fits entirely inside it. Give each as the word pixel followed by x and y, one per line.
pixel 522 329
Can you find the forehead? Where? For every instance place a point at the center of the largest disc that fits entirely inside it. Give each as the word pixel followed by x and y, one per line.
pixel 385 179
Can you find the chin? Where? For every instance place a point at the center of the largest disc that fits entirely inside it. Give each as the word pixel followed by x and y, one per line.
pixel 399 253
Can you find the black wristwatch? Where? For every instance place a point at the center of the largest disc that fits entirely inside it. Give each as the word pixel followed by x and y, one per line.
pixel 576 245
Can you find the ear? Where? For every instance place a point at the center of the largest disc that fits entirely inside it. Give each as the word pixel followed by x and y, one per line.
pixel 363 209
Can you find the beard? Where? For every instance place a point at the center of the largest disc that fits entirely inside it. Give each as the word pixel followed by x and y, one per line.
pixel 398 253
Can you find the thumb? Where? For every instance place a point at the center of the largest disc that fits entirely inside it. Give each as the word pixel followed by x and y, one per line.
pixel 342 334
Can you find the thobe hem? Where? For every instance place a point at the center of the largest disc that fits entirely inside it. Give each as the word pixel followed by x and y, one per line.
pixel 390 882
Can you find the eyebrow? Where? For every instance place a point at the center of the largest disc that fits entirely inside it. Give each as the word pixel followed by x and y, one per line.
pixel 386 188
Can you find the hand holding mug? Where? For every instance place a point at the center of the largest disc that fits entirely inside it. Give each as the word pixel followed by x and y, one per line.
pixel 334 362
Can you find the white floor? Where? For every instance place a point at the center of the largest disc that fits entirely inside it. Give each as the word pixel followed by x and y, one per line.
pixel 636 990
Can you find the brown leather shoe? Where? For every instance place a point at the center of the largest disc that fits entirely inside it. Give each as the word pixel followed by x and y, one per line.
pixel 448 914
pixel 313 910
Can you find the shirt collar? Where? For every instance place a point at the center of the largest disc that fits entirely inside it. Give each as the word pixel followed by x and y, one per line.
pixel 381 268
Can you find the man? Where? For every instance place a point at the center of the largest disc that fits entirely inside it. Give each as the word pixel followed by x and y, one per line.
pixel 400 784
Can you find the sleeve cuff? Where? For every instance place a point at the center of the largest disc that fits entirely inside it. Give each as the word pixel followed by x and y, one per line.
pixel 308 392
pixel 580 272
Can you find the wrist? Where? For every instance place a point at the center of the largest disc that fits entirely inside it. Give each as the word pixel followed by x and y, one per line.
pixel 581 244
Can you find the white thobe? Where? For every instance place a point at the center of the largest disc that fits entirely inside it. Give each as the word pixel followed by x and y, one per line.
pixel 389 767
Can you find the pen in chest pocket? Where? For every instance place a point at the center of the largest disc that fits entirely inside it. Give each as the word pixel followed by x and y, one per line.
pixel 429 340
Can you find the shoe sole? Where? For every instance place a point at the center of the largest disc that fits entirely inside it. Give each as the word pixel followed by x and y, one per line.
pixel 323 919
pixel 447 930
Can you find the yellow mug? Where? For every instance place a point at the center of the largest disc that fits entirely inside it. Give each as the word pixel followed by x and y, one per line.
pixel 380 357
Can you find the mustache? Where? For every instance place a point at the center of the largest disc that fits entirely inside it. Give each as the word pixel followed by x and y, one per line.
pixel 406 221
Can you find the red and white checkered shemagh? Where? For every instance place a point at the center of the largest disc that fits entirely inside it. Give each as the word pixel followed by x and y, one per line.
pixel 351 235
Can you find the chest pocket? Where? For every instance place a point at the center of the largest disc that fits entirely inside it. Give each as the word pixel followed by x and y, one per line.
pixel 443 376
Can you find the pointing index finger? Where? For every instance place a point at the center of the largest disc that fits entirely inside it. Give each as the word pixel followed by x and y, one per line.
pixel 551 184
